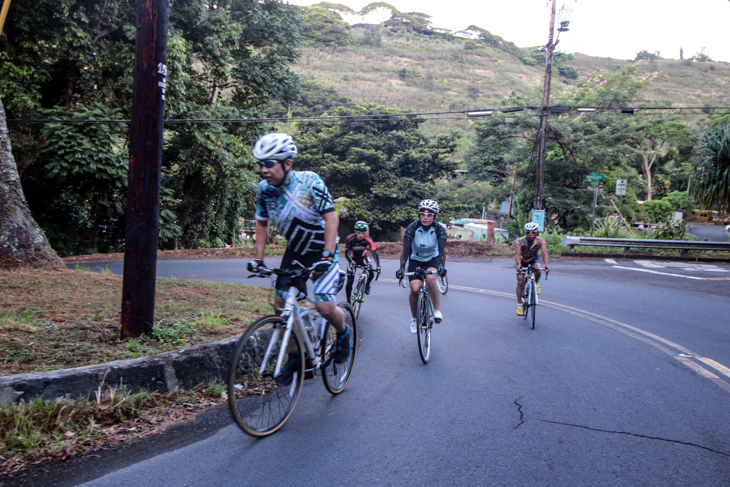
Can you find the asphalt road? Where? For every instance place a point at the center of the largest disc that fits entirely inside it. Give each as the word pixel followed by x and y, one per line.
pixel 624 381
pixel 709 232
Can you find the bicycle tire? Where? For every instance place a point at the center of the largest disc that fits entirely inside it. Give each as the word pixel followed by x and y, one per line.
pixel 424 327
pixel 258 403
pixel 358 297
pixel 533 301
pixel 443 283
pixel 336 376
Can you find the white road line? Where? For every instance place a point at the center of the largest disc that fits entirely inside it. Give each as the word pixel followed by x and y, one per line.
pixel 656 272
pixel 674 350
pixel 610 261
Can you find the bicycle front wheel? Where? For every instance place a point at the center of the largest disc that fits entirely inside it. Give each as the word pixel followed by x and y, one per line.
pixel 443 283
pixel 337 375
pixel 259 403
pixel 533 302
pixel 424 327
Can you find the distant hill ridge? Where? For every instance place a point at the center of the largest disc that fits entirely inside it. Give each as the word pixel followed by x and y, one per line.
pixel 438 72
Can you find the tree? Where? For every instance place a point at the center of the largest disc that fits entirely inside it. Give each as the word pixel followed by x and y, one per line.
pixel 22 242
pixel 323 27
pixel 382 163
pixel 73 59
pixel 654 137
pixel 711 174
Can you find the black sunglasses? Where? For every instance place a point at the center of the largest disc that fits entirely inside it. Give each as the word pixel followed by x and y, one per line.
pixel 268 164
pixel 532 232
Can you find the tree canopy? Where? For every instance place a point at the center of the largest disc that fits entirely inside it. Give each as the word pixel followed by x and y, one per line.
pixel 382 165
pixel 73 60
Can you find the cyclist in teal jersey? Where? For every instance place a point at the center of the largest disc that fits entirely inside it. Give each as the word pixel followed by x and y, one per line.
pixel 424 245
pixel 301 207
pixel 527 251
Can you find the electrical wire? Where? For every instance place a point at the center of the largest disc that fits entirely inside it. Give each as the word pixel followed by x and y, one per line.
pixel 530 110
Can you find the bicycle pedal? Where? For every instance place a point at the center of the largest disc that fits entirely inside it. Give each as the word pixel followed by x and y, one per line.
pixel 309 374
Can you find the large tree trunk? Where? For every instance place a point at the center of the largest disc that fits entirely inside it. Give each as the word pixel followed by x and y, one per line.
pixel 22 242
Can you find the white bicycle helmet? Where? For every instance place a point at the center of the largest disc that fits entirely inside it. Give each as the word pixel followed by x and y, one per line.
pixel 277 147
pixel 429 205
pixel 532 227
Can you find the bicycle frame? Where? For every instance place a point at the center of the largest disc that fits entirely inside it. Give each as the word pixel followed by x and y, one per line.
pixel 364 271
pixel 293 321
pixel 527 287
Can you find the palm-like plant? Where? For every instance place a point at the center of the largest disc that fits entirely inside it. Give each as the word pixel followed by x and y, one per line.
pixel 711 172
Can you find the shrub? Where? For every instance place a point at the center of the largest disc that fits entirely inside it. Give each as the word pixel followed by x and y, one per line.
pixel 657 210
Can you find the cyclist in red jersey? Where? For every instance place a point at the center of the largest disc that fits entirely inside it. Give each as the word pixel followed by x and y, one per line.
pixel 356 251
pixel 527 251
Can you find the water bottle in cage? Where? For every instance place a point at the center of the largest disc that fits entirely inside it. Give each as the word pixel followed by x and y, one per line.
pixel 307 319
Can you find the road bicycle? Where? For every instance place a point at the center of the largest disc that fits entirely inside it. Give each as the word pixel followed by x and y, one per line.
pixel 424 314
pixel 260 398
pixel 358 292
pixel 530 299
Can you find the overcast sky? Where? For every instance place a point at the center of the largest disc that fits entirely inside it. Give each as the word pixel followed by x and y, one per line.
pixel 617 29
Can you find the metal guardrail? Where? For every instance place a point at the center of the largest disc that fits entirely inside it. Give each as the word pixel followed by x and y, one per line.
pixel 640 243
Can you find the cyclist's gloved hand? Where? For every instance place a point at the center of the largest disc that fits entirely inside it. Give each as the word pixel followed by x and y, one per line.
pixel 321 267
pixel 442 271
pixel 399 274
pixel 256 265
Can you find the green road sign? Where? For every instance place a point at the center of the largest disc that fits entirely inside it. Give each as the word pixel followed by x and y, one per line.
pixel 595 176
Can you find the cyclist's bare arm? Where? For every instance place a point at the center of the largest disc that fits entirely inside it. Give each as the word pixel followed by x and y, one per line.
pixel 545 258
pixel 262 235
pixel 331 223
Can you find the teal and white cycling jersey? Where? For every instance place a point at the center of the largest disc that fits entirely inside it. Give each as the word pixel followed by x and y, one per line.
pixel 296 208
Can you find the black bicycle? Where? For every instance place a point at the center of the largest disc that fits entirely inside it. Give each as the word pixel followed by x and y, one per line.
pixel 261 394
pixel 424 315
pixel 358 292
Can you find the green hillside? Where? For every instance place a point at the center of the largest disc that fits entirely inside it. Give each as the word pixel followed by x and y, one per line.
pixel 427 73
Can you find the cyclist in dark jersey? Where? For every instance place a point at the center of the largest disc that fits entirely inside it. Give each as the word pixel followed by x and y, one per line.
pixel 356 251
pixel 300 206
pixel 527 251
pixel 424 245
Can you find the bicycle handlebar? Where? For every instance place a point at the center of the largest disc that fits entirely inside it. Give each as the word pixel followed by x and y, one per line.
pixel 304 272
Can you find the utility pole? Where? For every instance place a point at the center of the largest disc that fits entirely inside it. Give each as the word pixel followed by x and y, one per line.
pixel 542 134
pixel 145 165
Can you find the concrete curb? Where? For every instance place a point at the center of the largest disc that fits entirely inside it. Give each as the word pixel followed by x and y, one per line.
pixel 160 373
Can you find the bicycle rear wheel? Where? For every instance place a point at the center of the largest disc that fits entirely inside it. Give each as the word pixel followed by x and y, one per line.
pixel 424 327
pixel 533 302
pixel 336 376
pixel 358 296
pixel 260 404
pixel 443 283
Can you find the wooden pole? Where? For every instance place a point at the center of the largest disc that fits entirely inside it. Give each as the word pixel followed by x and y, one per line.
pixel 145 162
pixel 542 134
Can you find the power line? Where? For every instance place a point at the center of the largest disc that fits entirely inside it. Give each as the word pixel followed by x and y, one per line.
pixel 374 117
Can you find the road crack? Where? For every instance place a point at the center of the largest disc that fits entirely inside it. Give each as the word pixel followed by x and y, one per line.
pixel 519 410
pixel 636 435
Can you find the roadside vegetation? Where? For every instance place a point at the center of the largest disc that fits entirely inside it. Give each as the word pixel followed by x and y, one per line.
pixel 54 320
